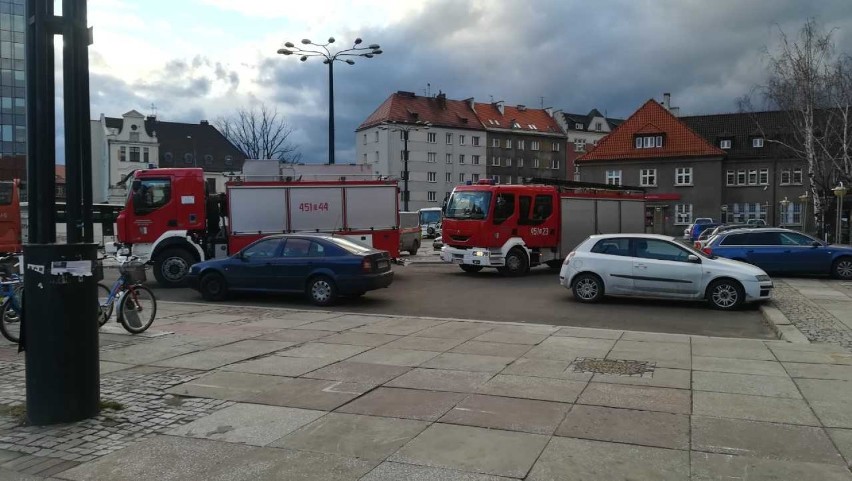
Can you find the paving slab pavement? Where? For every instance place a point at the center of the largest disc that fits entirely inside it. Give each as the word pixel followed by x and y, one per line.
pixel 315 395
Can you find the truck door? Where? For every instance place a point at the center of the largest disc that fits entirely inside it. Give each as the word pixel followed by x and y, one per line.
pixel 537 221
pixel 154 209
pixel 504 218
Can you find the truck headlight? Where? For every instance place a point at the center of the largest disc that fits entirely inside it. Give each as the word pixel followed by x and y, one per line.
pixel 480 253
pixel 763 278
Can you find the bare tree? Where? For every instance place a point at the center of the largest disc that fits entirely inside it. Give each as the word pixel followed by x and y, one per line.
pixel 260 133
pixel 812 85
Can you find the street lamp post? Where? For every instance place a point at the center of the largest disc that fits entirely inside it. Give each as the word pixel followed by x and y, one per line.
pixel 784 204
pixel 405 129
pixel 839 192
pixel 804 199
pixel 355 51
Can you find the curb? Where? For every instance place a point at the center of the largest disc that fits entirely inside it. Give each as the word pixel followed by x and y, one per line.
pixel 781 325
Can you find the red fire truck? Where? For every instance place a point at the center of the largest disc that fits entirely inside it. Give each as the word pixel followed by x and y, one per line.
pixel 172 221
pixel 515 227
pixel 10 216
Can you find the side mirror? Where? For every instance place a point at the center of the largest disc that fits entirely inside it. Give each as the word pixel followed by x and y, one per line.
pixel 241 256
pixel 816 244
pixel 694 259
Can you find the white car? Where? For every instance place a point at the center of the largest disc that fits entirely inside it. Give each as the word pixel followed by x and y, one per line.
pixel 649 265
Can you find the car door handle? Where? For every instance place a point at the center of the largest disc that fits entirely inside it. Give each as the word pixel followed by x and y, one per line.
pixel 641 266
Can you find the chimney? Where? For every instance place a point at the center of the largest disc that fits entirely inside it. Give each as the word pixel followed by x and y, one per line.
pixel 500 106
pixel 667 100
pixel 675 111
pixel 471 104
pixel 442 99
pixel 521 108
pixel 549 111
pixel 204 122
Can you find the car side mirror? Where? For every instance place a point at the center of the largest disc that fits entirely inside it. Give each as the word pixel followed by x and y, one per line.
pixel 816 244
pixel 241 256
pixel 694 259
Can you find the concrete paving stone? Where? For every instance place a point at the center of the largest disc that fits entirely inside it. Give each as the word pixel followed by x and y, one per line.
pixel 222 355
pixel 544 389
pixel 644 398
pixel 253 424
pixel 6 456
pixel 512 337
pixel 477 450
pixel 655 337
pixel 340 323
pixel 664 354
pixel 388 471
pixel 843 440
pixel 457 330
pixel 441 380
pixel 469 362
pixel 285 319
pixel 234 386
pixel 647 428
pixel 213 318
pixel 833 414
pixel 287 464
pixel 395 357
pixel 334 352
pixel 403 403
pixel 280 365
pixel 568 459
pixel 399 326
pixel 492 348
pixel 9 475
pixel 780 345
pixel 732 349
pixel 310 393
pixel 825 390
pixel 108 367
pixel 360 339
pixel 786 355
pixel 525 366
pixel 754 408
pixel 374 374
pixel 738 366
pixel 147 352
pixel 294 335
pixel 772 386
pixel 417 343
pixel 818 371
pixel 661 377
pixel 763 440
pixel 588 332
pixel 715 467
pixel 366 437
pixel 510 414
pixel 570 348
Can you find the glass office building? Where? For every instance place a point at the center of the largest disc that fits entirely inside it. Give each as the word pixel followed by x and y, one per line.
pixel 13 125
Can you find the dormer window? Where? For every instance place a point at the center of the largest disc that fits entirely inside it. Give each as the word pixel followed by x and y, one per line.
pixel 725 144
pixel 649 141
pixel 598 126
pixel 578 126
pixel 757 142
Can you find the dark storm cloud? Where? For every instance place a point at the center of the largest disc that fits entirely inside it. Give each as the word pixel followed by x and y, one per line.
pixel 611 56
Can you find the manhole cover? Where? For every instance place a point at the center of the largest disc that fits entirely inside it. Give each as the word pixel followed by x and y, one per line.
pixel 614 366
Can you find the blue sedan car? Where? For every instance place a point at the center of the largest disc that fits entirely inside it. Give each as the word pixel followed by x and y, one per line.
pixel 321 266
pixel 783 251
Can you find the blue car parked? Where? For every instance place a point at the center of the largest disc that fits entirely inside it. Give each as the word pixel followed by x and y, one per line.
pixel 783 251
pixel 322 266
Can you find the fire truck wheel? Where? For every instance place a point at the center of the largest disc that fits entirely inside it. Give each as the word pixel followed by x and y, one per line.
pixel 516 263
pixel 469 268
pixel 414 248
pixel 588 288
pixel 213 287
pixel 321 290
pixel 171 267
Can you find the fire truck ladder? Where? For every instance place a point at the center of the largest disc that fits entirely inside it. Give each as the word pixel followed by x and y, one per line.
pixel 590 186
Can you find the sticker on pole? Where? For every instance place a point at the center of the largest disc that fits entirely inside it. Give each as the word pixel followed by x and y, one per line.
pixel 74 268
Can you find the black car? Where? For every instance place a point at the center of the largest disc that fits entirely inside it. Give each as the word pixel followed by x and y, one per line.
pixel 322 266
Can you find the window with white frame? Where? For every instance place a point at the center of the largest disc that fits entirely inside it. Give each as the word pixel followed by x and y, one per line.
pixel 508 143
pixel 598 126
pixel 521 162
pixel 521 144
pixel 579 145
pixel 461 177
pixel 785 177
pixel 683 214
pixel 474 177
pixel 401 155
pixel 496 179
pixel 683 176
pixel 461 158
pixel 648 141
pixel 554 147
pixel 474 140
pixel 461 139
pixel 508 161
pixel 578 126
pixel 763 177
pixel 508 179
pixel 797 176
pixel 449 138
pixel 432 196
pixel 432 176
pixel 432 157
pixel 648 177
pixel 377 135
pixel 792 215
pixel 448 176
pixel 377 156
pixel 730 178
pixel 365 139
pixel 725 144
pixel 401 135
pixel 432 138
pixel 495 161
pixel 752 177
pixel 365 158
pixel 402 175
pixel 122 154
pixel 535 145
pixel 613 177
pixel 495 142
pixel 757 142
pixel 474 159
pixel 554 164
pixel 741 177
pixel 747 211
pixel 449 158
pixel 535 163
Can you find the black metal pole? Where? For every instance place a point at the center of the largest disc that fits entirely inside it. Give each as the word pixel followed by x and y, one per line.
pixel 70 78
pixel 331 111
pixel 405 160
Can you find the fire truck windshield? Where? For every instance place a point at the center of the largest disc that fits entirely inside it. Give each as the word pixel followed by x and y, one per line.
pixel 6 190
pixel 468 205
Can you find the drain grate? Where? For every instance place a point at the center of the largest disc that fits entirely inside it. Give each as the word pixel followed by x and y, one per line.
pixel 618 367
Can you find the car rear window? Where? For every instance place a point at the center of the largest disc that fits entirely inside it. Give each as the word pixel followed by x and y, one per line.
pixel 735 240
pixel 350 246
pixel 613 247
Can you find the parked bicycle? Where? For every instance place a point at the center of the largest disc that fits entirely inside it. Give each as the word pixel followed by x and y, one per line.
pixel 137 305
pixel 11 291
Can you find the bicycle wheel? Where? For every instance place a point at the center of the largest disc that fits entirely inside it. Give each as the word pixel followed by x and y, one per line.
pixel 104 308
pixel 10 323
pixel 137 309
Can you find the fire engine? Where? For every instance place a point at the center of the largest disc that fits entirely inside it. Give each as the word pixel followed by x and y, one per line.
pixel 10 217
pixel 172 221
pixel 515 227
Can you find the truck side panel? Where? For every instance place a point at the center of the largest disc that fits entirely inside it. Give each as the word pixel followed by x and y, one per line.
pixel 371 207
pixel 632 216
pixel 316 208
pixel 609 217
pixel 582 217
pixel 578 222
pixel 258 209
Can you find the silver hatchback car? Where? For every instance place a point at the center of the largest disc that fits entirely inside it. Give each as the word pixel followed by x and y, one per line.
pixel 649 265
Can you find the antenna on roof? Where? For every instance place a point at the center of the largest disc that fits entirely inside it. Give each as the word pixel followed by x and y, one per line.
pixel 428 89
pixel 492 98
pixel 542 102
pixel 153 110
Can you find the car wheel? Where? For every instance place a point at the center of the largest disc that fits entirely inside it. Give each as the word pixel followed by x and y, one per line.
pixel 842 268
pixel 321 291
pixel 588 288
pixel 516 263
pixel 213 287
pixel 414 248
pixel 469 268
pixel 725 294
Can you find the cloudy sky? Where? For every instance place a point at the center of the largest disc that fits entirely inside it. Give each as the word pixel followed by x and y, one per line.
pixel 202 59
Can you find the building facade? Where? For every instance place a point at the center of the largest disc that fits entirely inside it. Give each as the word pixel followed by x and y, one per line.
pixel 13 107
pixel 583 132
pixel 451 151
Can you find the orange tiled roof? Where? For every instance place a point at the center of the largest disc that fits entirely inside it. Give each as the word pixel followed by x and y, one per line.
pixel 651 118
pixel 406 107
pixel 525 119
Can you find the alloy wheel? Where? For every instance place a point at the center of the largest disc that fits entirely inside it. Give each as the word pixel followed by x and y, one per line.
pixel 844 269
pixel 587 289
pixel 725 295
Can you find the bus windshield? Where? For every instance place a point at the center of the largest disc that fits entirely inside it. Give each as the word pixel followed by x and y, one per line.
pixel 468 205
pixel 430 217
